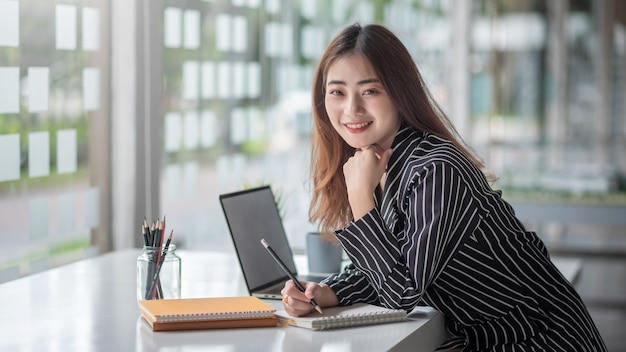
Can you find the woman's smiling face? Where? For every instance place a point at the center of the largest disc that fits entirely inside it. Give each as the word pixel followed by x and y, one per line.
pixel 359 107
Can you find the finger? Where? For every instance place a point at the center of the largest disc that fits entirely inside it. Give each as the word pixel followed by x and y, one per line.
pixel 297 296
pixel 371 146
pixel 295 306
pixel 386 155
pixel 298 307
pixel 375 149
pixel 288 290
pixel 293 292
pixel 311 291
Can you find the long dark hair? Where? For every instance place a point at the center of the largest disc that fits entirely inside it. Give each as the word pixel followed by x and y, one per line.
pixel 401 78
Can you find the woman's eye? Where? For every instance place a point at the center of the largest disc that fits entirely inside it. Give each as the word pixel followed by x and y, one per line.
pixel 335 92
pixel 369 92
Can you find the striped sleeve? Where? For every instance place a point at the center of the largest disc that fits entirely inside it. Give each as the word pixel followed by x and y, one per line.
pixel 436 211
pixel 351 286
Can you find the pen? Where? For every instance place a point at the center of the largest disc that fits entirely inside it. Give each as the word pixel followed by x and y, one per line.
pixel 289 273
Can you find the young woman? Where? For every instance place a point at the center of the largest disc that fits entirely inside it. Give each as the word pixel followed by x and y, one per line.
pixel 417 216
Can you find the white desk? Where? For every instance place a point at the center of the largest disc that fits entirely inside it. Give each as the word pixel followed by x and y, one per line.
pixel 91 305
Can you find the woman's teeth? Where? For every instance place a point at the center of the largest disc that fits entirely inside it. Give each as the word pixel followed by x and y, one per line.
pixel 357 125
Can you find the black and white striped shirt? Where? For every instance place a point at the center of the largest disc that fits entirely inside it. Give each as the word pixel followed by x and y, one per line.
pixel 441 236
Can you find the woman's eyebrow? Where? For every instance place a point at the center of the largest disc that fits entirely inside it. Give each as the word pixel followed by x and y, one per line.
pixel 365 81
pixel 369 80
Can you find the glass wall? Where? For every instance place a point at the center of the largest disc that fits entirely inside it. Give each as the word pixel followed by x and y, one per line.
pixel 53 135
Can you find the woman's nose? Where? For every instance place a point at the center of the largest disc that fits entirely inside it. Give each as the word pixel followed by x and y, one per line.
pixel 354 106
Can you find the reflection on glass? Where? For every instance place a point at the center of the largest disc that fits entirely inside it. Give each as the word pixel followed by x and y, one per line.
pixel 38 154
pixel 9 157
pixel 339 11
pixel 238 126
pixel 208 129
pixel 66 151
pixel 92 208
pixel 91 28
pixel 230 171
pixel 224 84
pixel 239 80
pixel 9 90
pixel 91 89
pixel 256 124
pixel 191 74
pixel 9 23
pixel 38 88
pixel 172 175
pixel 309 10
pixel 208 80
pixel 364 13
pixel 172 27
pixel 191 171
pixel 272 39
pixel 240 34
pixel 39 215
pixel 254 3
pixel 272 6
pixel 66 33
pixel 223 30
pixel 173 130
pixel 254 80
pixel 191 135
pixel 278 40
pixel 192 29
pixel 313 42
pixel 66 214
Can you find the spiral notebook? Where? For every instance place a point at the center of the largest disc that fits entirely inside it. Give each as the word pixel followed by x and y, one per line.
pixel 207 313
pixel 358 314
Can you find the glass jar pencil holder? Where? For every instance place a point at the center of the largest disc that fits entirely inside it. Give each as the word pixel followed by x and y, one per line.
pixel 158 273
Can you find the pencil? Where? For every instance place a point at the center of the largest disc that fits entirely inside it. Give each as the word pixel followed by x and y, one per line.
pixel 288 272
pixel 145 234
pixel 161 232
pixel 156 241
pixel 160 264
pixel 148 233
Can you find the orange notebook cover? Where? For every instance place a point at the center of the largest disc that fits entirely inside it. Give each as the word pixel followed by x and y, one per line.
pixel 211 324
pixel 207 313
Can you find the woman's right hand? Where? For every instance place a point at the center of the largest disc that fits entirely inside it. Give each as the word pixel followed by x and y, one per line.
pixel 298 303
pixel 363 172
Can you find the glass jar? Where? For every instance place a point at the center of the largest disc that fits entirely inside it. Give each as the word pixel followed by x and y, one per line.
pixel 158 273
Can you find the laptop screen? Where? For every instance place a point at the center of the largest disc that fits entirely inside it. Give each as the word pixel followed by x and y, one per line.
pixel 252 215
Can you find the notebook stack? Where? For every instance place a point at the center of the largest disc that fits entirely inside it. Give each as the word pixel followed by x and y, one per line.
pixel 207 313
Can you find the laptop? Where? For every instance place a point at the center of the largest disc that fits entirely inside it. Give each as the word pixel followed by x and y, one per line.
pixel 252 215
